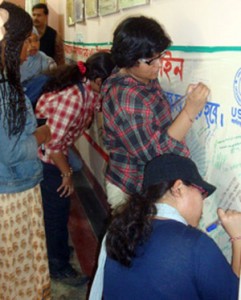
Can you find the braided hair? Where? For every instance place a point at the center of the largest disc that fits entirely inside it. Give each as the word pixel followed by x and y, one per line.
pixel 12 99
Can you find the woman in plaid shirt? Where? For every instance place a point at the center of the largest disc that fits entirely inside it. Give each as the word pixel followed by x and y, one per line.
pixel 137 120
pixel 70 98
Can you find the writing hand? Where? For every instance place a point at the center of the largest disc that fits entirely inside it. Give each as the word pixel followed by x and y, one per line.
pixel 197 98
pixel 231 221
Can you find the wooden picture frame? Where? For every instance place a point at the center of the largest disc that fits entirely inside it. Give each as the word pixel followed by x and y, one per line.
pixel 79 11
pixel 91 9
pixel 124 4
pixel 107 7
pixel 70 16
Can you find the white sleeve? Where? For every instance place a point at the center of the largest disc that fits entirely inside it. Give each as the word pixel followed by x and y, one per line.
pixel 96 290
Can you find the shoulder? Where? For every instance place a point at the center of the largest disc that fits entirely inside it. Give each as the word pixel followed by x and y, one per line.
pixel 72 94
pixel 124 86
pixel 177 232
pixel 45 57
pixel 42 54
pixel 50 29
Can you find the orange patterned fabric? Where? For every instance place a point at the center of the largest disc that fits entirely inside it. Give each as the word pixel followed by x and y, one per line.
pixel 24 272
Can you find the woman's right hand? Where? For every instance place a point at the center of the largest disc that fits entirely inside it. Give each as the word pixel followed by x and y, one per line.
pixel 231 221
pixel 67 187
pixel 196 99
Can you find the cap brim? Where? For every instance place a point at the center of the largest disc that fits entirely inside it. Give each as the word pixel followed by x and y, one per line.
pixel 208 188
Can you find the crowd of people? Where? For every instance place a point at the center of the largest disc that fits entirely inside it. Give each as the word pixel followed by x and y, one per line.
pixel 152 248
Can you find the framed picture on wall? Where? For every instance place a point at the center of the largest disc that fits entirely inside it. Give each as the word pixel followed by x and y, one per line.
pixel 123 4
pixel 70 15
pixel 91 9
pixel 107 7
pixel 79 11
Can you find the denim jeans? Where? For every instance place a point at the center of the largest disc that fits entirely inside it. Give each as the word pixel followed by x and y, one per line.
pixel 56 215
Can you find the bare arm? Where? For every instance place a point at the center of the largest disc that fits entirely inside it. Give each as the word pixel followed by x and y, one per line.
pixel 196 100
pixel 231 221
pixel 42 134
pixel 67 187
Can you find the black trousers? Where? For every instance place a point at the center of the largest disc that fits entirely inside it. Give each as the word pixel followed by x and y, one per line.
pixel 56 215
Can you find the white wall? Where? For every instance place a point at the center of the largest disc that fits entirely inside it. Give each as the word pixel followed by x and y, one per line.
pixel 188 22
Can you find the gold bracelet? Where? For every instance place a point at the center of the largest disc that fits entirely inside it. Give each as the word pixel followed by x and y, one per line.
pixel 67 174
pixel 189 118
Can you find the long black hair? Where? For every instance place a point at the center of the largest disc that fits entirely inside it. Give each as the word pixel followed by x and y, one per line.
pixel 98 65
pixel 132 223
pixel 137 37
pixel 12 99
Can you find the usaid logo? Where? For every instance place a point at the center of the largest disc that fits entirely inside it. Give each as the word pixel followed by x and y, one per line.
pixel 237 86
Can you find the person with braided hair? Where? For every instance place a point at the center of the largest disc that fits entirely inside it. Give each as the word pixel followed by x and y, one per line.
pixel 70 98
pixel 24 272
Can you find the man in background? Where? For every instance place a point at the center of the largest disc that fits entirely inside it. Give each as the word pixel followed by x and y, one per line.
pixel 51 42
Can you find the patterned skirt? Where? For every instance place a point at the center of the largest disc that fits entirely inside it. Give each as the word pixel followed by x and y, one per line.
pixel 24 272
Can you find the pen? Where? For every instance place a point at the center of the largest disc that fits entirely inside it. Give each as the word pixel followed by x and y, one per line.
pixel 179 100
pixel 213 226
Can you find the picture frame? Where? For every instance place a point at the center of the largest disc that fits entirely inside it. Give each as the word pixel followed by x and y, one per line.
pixel 70 16
pixel 78 11
pixel 91 9
pixel 124 4
pixel 107 7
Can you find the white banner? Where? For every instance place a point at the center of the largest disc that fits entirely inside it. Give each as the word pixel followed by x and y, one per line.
pixel 215 138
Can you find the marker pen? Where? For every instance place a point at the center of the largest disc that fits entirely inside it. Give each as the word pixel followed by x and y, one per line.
pixel 213 226
pixel 179 100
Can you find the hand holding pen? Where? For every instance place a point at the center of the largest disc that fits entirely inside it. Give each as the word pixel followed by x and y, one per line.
pixel 197 95
pixel 230 220
pixel 213 225
pixel 195 99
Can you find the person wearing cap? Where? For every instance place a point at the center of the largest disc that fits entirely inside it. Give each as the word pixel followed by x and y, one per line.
pixel 154 250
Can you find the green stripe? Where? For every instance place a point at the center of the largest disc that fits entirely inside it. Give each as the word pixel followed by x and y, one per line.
pixel 173 48
pixel 205 49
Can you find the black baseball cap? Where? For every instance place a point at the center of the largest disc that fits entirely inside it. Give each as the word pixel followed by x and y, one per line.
pixel 170 166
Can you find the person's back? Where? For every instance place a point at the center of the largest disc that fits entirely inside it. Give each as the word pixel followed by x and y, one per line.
pixel 127 102
pixel 152 249
pixel 175 264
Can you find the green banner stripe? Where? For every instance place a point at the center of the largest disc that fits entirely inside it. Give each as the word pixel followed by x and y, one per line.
pixel 205 49
pixel 174 48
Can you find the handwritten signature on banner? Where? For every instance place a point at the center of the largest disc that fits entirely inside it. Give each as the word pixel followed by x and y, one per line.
pixel 211 110
pixel 231 197
pixel 170 63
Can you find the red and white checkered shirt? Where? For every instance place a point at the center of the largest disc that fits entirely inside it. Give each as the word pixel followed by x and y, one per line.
pixel 66 112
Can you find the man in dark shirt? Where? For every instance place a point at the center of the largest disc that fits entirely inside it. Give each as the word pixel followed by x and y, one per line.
pixel 51 42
